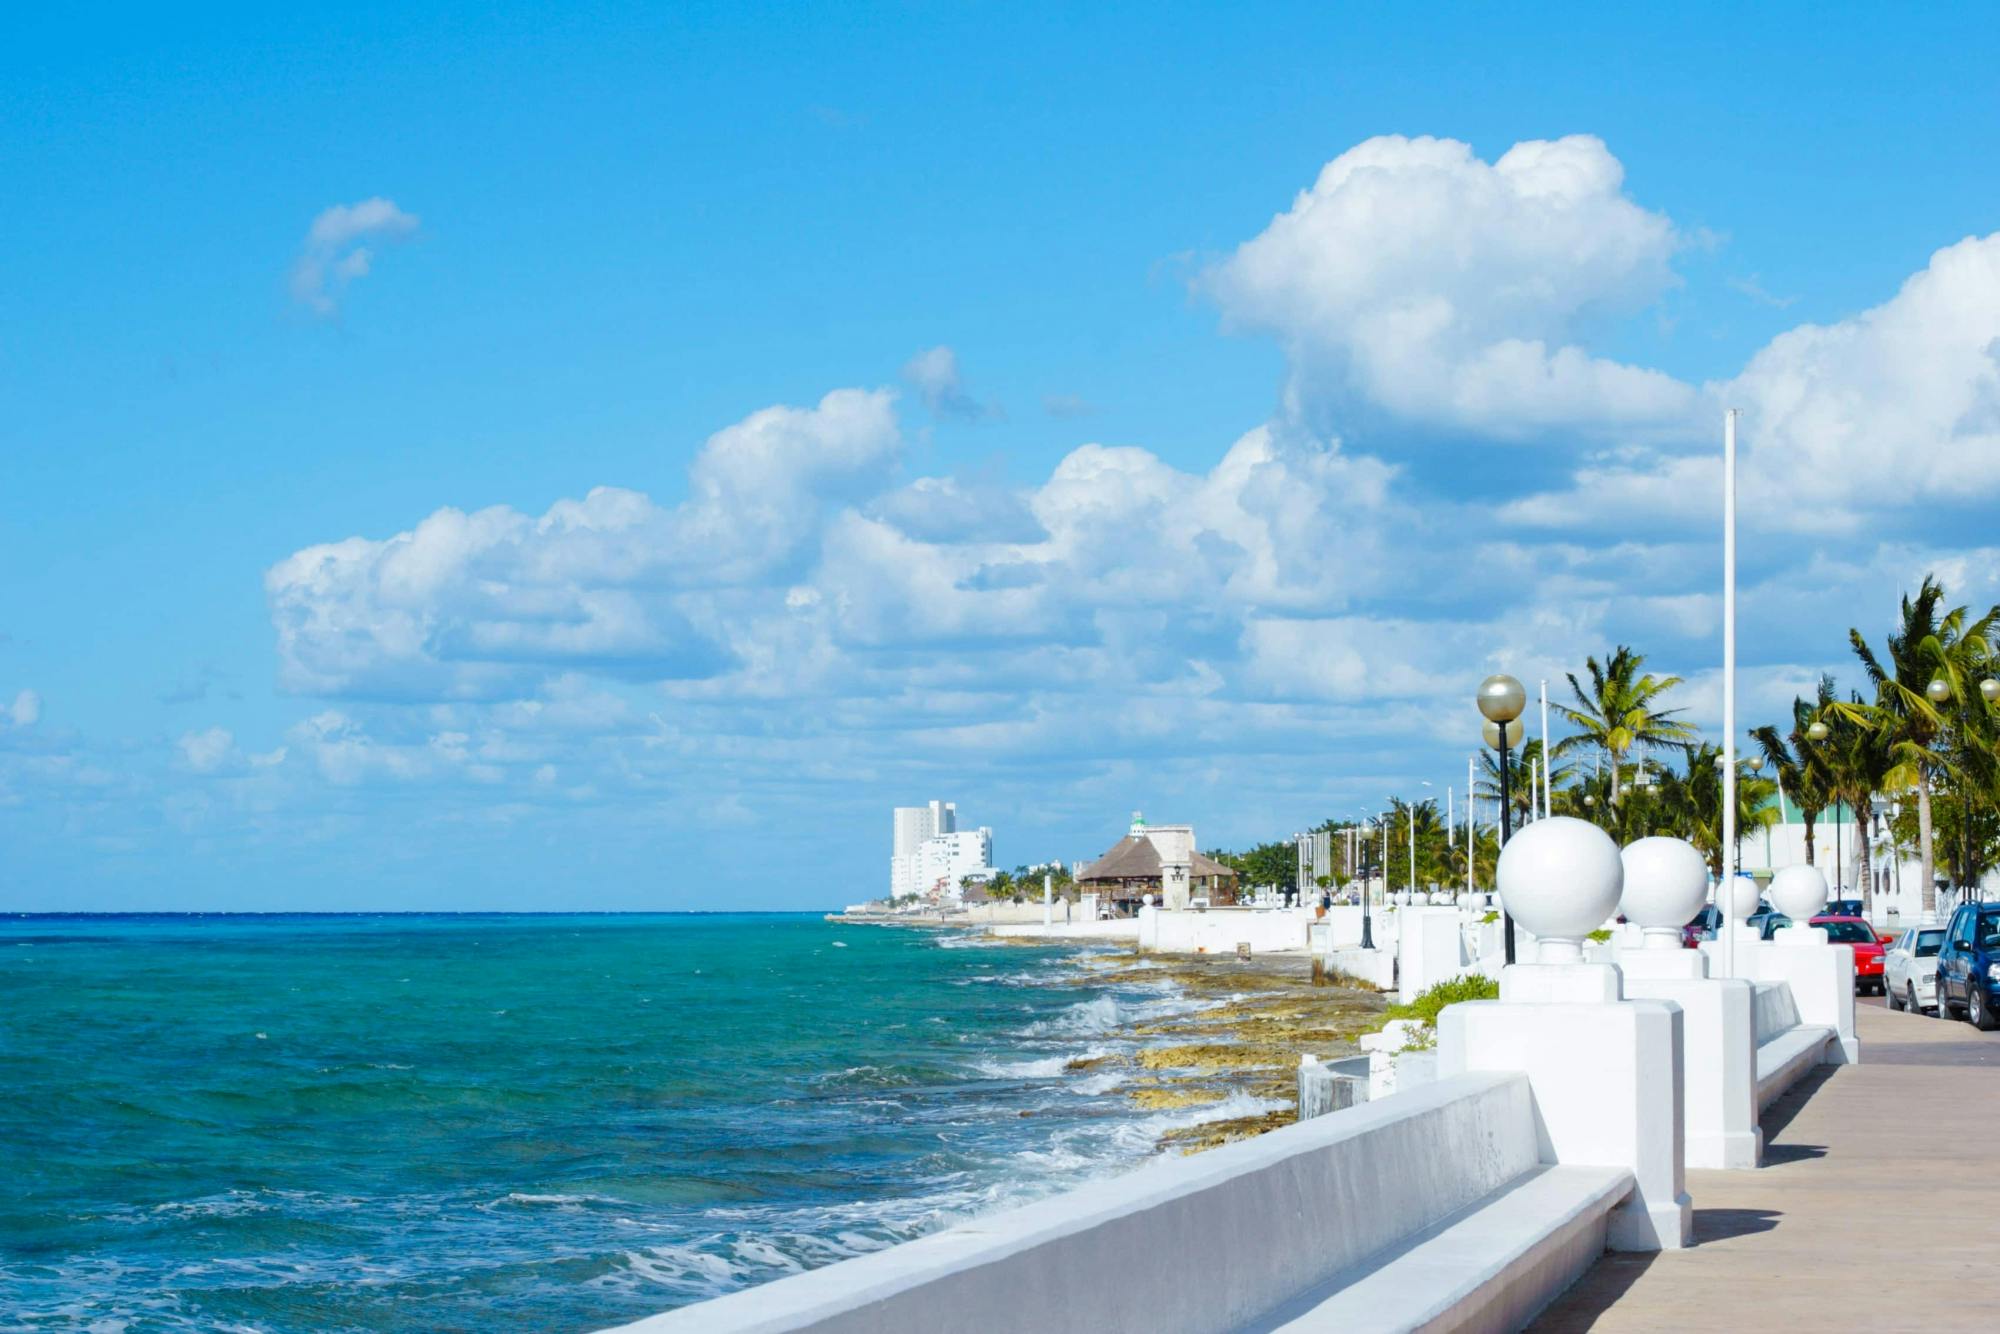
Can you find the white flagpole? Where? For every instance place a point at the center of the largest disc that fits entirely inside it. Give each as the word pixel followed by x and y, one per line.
pixel 1471 829
pixel 1729 688
pixel 1545 749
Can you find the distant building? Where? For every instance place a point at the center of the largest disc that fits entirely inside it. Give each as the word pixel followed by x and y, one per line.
pixel 1159 860
pixel 932 857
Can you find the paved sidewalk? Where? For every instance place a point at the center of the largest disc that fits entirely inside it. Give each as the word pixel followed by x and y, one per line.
pixel 1874 1210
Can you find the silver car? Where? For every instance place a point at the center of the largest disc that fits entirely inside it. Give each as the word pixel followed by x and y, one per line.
pixel 1909 969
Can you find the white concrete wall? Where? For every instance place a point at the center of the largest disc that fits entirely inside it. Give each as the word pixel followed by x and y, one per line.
pixel 1207 1243
pixel 1122 928
pixel 1219 930
pixel 1607 1085
pixel 1719 1063
pixel 1430 949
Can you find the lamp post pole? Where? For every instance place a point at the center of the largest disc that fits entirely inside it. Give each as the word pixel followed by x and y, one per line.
pixel 1506 831
pixel 1501 699
pixel 1367 922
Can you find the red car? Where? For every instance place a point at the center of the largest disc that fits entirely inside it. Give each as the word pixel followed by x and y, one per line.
pixel 1868 949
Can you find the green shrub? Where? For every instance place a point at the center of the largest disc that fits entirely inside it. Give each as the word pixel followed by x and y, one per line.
pixel 1600 934
pixel 1427 1004
pixel 1491 917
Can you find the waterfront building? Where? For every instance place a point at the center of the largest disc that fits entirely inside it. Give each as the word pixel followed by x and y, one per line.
pixel 1160 860
pixel 932 857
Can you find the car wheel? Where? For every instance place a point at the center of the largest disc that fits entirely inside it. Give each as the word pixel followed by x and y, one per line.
pixel 1979 1012
pixel 1910 1000
pixel 1895 1001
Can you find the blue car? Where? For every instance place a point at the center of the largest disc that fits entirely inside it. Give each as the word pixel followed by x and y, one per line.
pixel 1968 973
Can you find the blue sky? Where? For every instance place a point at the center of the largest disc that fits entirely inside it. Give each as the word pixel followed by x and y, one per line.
pixel 1144 482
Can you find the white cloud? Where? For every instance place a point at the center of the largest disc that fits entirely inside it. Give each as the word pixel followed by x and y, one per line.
pixel 1895 407
pixel 1450 291
pixel 485 604
pixel 26 710
pixel 934 374
pixel 208 750
pixel 339 249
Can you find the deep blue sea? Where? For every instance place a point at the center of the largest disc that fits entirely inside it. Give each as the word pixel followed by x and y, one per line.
pixel 463 1122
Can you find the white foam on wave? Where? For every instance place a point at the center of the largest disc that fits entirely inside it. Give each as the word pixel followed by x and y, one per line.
pixel 1109 1014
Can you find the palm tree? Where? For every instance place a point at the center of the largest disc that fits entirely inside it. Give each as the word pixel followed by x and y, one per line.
pixel 1689 804
pixel 1794 762
pixel 1621 710
pixel 1856 761
pixel 1432 864
pixel 1522 764
pixel 1925 647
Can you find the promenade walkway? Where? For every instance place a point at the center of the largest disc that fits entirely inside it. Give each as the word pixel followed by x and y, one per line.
pixel 1874 1213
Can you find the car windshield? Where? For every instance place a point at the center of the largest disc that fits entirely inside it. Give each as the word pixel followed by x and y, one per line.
pixel 1853 933
pixel 1928 944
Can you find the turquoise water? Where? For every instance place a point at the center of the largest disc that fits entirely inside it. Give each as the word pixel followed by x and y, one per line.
pixel 515 1122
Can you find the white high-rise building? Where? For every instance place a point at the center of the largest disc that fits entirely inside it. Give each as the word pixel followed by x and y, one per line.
pixel 930 856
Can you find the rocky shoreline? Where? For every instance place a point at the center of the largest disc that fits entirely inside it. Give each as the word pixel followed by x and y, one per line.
pixel 1258 1017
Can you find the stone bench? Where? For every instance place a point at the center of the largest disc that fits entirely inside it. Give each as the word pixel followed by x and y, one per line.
pixel 1491 1266
pixel 1429 1207
pixel 1786 1048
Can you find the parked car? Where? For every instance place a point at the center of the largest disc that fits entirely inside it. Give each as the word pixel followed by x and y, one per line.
pixel 1844 908
pixel 1701 926
pixel 1868 951
pixel 1763 914
pixel 1968 966
pixel 1909 969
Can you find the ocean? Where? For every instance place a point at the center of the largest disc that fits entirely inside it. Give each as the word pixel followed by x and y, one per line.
pixel 495 1122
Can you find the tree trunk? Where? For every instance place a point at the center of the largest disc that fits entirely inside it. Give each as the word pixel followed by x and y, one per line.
pixel 1809 817
pixel 1616 786
pixel 1924 841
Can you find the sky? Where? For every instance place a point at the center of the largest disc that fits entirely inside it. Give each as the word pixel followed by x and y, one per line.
pixel 499 457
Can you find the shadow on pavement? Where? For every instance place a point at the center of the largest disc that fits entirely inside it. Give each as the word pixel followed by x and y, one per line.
pixel 1721 1224
pixel 1598 1290
pixel 1780 1113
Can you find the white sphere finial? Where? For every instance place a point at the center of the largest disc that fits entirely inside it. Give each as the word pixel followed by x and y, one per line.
pixel 1737 898
pixel 1666 882
pixel 1560 878
pixel 1799 892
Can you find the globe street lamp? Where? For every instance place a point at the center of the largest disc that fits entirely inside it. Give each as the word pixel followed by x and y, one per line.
pixel 1939 690
pixel 1989 690
pixel 1501 699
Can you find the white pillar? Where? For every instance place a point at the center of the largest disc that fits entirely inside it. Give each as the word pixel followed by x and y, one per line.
pixel 1048 899
pixel 1729 676
pixel 1471 830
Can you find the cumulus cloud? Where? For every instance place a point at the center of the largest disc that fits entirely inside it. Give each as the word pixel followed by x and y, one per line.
pixel 484 605
pixel 1416 278
pixel 1896 406
pixel 809 613
pixel 934 374
pixel 340 248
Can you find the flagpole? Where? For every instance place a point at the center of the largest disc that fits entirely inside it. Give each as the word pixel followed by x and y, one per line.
pixel 1727 894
